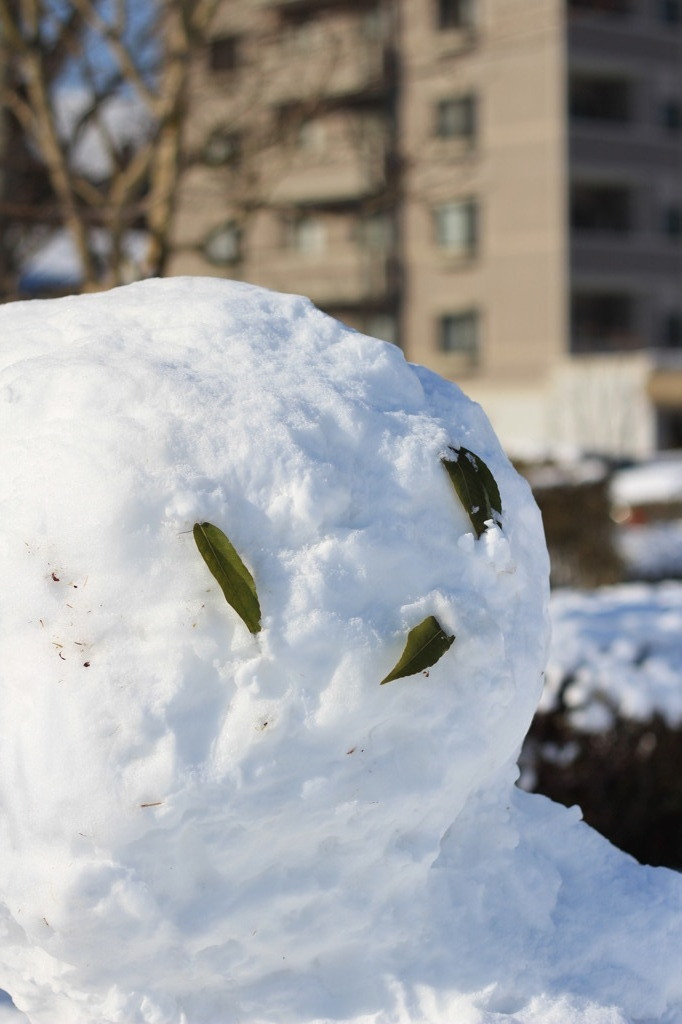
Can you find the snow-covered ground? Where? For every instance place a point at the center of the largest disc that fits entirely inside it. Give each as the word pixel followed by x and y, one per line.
pixel 617 650
pixel 649 542
pixel 203 821
pixel 651 551
pixel 656 481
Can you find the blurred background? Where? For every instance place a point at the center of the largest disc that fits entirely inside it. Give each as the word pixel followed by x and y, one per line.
pixel 493 185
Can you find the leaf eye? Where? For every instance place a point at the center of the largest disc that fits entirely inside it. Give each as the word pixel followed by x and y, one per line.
pixel 476 487
pixel 426 644
pixel 235 580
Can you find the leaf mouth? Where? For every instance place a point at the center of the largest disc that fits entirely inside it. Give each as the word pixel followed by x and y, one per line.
pixel 426 644
pixel 234 579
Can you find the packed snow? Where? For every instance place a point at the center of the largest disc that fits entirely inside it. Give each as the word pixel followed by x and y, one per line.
pixel 200 825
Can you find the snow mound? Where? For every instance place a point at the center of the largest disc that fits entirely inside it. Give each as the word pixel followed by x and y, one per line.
pixel 200 825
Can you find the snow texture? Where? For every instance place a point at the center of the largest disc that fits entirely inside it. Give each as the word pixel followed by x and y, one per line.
pixel 201 826
pixel 651 551
pixel 616 651
pixel 657 481
pixel 650 544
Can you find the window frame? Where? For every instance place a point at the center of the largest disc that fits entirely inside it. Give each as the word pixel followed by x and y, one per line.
pixel 445 237
pixel 672 221
pixel 382 324
pixel 623 218
pixel 376 232
pixel 670 12
pixel 455 15
pixel 470 320
pixel 672 329
pixel 605 8
pixel 294 234
pixel 468 105
pixel 214 234
pixel 228 44
pixel 671 114
pixel 616 337
pixel 229 140
pixel 597 81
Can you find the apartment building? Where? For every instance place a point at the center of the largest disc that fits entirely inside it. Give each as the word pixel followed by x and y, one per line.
pixel 495 185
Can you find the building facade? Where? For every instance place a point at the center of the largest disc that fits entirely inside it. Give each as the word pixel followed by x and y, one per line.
pixel 495 185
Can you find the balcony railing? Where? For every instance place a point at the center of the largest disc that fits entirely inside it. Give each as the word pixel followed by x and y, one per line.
pixel 346 64
pixel 347 279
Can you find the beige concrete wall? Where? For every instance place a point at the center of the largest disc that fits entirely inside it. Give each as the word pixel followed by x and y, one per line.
pixel 519 414
pixel 514 64
pixel 600 403
pixel 318 154
pixel 593 403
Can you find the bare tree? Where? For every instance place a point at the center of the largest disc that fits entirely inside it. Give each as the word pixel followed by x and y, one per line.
pixel 249 113
pixel 104 53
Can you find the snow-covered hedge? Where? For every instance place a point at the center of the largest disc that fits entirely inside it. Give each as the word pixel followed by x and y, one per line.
pixel 608 731
pixel 212 813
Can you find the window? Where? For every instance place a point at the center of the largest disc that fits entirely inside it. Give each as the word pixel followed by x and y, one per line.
pixel 456 227
pixel 383 326
pixel 306 234
pixel 669 428
pixel 377 232
pixel 223 244
pixel 456 118
pixel 671 12
pixel 602 321
pixel 301 37
pixel 375 23
pixel 223 53
pixel 672 330
pixel 671 115
pixel 311 136
pixel 601 6
pixel 455 13
pixel 222 147
pixel 601 208
pixel 672 221
pixel 458 332
pixel 599 98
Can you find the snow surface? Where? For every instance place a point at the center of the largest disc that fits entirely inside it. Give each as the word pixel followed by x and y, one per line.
pixel 651 551
pixel 617 650
pixel 656 481
pixel 651 544
pixel 200 826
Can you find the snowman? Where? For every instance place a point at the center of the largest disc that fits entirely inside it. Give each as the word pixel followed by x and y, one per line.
pixel 273 629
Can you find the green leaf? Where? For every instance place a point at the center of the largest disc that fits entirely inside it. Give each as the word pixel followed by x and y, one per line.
pixel 426 644
pixel 236 582
pixel 476 487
